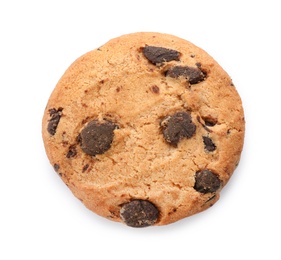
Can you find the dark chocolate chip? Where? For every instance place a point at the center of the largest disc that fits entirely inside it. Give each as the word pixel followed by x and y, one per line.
pixel 192 74
pixel 158 55
pixel 209 121
pixel 55 115
pixel 71 151
pixel 96 137
pixel 209 145
pixel 85 168
pixel 176 127
pixel 56 167
pixel 206 181
pixel 139 213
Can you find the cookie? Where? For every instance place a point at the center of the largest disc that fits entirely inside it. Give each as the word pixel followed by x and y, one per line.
pixel 145 130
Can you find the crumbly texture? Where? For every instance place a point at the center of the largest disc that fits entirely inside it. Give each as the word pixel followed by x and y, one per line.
pixel 147 117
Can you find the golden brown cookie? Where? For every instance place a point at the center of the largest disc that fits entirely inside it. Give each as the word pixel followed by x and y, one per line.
pixel 145 130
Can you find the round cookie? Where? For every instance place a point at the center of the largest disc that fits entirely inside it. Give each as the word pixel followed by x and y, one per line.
pixel 145 130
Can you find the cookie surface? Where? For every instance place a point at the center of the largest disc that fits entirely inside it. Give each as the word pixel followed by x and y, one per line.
pixel 145 130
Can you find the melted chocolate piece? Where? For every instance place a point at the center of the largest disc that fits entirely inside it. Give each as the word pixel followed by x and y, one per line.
pixel 55 115
pixel 155 89
pixel 96 137
pixel 176 127
pixel 209 145
pixel 139 213
pixel 158 55
pixel 192 74
pixel 206 181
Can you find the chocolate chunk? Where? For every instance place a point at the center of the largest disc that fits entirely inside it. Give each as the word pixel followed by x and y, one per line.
pixel 206 181
pixel 192 74
pixel 176 127
pixel 158 55
pixel 96 137
pixel 209 145
pixel 139 213
pixel 55 115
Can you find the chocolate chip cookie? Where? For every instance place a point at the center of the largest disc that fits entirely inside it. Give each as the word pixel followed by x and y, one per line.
pixel 145 130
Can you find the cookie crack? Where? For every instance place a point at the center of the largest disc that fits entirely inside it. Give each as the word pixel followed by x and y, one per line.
pixel 177 185
pixel 193 159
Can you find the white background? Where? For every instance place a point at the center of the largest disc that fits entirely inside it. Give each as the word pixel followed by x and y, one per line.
pixel 41 219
